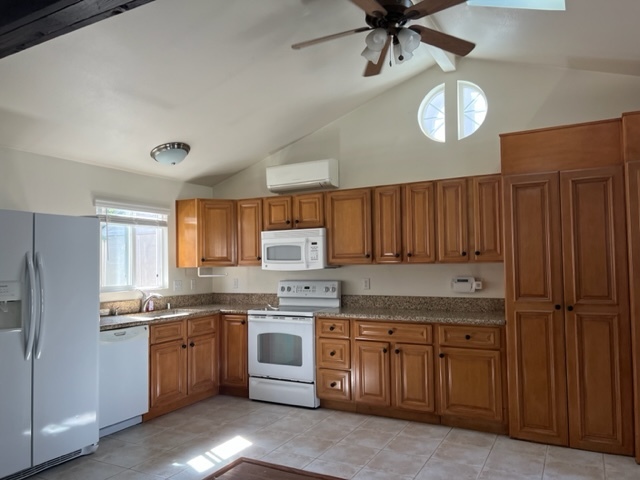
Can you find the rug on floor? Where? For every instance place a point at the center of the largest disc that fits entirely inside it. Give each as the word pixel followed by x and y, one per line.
pixel 250 469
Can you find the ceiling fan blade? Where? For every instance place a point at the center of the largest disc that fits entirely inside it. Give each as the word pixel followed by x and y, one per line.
pixel 442 40
pixel 429 7
pixel 308 43
pixel 375 68
pixel 371 7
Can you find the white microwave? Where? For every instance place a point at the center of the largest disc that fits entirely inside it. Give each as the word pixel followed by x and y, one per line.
pixel 289 250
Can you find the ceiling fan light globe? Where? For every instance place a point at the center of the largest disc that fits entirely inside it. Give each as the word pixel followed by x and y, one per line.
pixel 409 40
pixel 376 39
pixel 371 55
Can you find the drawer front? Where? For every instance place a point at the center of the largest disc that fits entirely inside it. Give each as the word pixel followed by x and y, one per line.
pixel 394 332
pixel 469 336
pixel 165 332
pixel 333 353
pixel 333 384
pixel 332 327
pixel 201 326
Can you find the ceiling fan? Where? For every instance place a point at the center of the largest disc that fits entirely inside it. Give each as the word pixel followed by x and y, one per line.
pixel 387 20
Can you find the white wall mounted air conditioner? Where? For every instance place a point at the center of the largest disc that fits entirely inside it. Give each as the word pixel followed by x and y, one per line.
pixel 319 174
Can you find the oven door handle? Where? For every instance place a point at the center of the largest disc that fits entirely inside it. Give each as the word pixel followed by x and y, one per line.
pixel 280 320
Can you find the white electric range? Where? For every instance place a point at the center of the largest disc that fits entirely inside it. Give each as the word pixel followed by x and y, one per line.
pixel 282 342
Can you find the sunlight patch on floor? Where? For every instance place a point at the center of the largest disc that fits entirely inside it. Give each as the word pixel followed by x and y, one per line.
pixel 218 454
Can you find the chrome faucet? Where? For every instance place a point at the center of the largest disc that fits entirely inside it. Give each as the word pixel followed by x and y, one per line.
pixel 146 297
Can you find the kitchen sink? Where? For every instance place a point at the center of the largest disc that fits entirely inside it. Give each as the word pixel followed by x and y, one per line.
pixel 158 314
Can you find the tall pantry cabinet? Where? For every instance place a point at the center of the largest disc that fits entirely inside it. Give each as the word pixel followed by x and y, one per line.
pixel 567 299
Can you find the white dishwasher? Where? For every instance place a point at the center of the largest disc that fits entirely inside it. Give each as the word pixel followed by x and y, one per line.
pixel 123 378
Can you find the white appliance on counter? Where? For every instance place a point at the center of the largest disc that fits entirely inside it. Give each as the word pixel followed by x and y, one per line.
pixel 124 378
pixel 290 250
pixel 282 365
pixel 49 303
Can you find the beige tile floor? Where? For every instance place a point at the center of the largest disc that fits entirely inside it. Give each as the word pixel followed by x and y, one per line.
pixel 194 442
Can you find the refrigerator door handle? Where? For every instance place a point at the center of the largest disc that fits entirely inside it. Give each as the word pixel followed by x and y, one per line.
pixel 41 273
pixel 32 307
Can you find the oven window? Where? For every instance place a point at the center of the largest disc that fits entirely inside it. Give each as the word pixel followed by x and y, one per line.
pixel 285 253
pixel 280 349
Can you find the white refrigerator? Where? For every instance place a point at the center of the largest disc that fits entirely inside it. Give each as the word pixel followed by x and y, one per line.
pixel 49 327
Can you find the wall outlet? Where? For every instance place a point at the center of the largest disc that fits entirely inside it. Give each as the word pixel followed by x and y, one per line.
pixel 366 284
pixel 235 283
pixel 177 285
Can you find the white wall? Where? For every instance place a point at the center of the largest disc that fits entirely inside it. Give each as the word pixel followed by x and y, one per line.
pixel 381 143
pixel 43 184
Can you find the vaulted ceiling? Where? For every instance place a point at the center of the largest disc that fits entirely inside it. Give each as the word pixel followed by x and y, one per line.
pixel 221 75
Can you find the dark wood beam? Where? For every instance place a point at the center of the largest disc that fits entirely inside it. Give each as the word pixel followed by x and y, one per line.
pixel 25 23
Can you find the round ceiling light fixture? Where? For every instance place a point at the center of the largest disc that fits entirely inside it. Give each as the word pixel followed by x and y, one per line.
pixel 170 153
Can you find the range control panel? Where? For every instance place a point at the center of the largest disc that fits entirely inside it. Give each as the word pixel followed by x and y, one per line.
pixel 327 289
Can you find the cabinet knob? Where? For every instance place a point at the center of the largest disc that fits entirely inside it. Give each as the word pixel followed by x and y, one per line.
pixel 441 355
pixel 464 254
pixel 477 252
pixel 397 255
pixel 367 255
pixel 297 221
pixel 242 322
pixel 332 353
pixel 202 259
pixel 570 308
pixel 332 384
pixel 288 222
pixel 397 351
pixel 384 350
pixel 192 344
pixel 332 328
pixel 390 332
pixel 557 307
pixel 467 337
pixel 184 346
pixel 259 258
pixel 409 254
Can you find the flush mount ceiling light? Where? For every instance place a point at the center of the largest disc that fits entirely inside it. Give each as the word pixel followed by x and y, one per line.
pixel 170 153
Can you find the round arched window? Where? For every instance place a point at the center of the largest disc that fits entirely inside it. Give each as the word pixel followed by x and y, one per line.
pixel 431 114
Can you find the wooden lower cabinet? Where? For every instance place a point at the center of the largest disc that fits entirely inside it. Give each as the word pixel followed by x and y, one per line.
pixel 234 377
pixel 413 377
pixel 372 373
pixel 183 366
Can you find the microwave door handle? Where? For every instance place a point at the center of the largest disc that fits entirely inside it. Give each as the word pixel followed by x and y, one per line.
pixel 305 247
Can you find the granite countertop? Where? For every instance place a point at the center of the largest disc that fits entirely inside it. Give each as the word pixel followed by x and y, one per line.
pixel 396 314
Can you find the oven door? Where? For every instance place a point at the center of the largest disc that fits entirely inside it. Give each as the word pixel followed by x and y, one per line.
pixel 282 347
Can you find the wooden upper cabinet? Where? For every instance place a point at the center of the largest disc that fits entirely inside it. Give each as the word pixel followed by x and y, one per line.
pixel 349 226
pixel 387 224
pixel 206 233
pixel 452 228
pixel 487 218
pixel 294 211
pixel 308 210
pixel 419 222
pixel 249 214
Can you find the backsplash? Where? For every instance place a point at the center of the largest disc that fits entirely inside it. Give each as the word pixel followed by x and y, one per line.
pixel 447 304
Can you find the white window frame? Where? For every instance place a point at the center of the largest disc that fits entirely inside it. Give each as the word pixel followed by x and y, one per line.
pixel 426 103
pixel 462 108
pixel 133 216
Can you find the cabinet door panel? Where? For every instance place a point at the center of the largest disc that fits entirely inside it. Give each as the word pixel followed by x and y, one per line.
pixel 349 227
pixel 372 373
pixel 537 376
pixel 168 372
pixel 218 232
pixel 203 365
pixel 249 228
pixel 277 213
pixel 487 218
pixel 308 210
pixel 413 377
pixel 419 223
pixel 233 351
pixel 387 218
pixel 452 214
pixel 333 384
pixel 599 393
pixel 471 383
